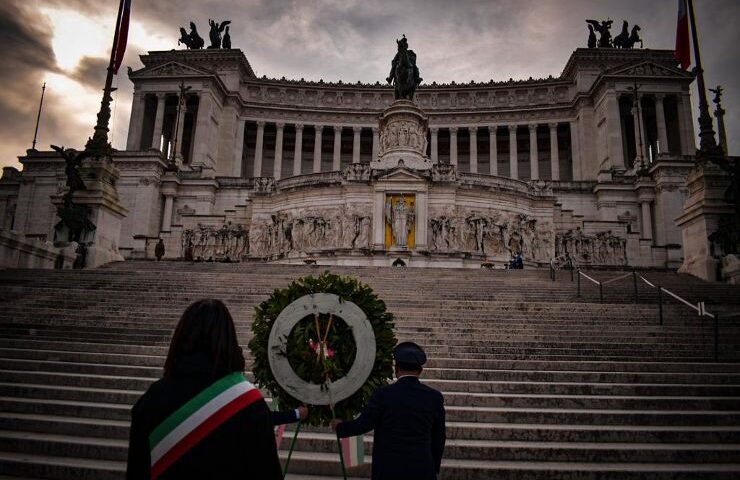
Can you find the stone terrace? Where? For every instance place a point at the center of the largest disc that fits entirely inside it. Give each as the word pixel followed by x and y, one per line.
pixel 538 384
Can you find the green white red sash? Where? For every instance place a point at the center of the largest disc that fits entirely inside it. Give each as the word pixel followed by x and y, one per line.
pixel 192 422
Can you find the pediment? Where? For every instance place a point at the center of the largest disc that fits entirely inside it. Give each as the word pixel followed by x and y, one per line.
pixel 648 69
pixel 170 69
pixel 401 174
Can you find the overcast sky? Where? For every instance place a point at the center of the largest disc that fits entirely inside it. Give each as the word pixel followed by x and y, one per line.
pixel 66 43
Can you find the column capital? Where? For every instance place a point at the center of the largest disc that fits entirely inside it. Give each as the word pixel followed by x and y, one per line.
pixel 492 129
pixel 453 130
pixel 318 128
pixel 473 130
pixel 299 126
pixel 659 96
pixel 337 127
pixel 552 125
pixel 357 129
pixel 260 124
pixel 280 125
pixel 434 130
pixel 532 127
pixel 512 128
pixel 375 130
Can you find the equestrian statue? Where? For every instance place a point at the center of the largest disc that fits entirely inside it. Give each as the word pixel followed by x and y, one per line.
pixel 404 72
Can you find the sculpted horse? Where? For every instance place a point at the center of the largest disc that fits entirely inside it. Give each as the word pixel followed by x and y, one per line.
pixel 620 41
pixel 634 38
pixel 191 40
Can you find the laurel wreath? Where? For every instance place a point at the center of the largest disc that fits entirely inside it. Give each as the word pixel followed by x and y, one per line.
pixel 334 360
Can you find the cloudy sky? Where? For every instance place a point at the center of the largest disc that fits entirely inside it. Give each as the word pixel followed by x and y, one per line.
pixel 66 43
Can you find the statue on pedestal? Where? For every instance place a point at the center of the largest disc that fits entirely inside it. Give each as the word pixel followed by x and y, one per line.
pixel 215 33
pixel 605 36
pixel 401 219
pixel 404 73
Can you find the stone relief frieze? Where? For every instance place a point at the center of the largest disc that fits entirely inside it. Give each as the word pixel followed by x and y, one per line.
pixel 603 248
pixel 208 242
pixel 302 231
pixel 402 134
pixel 490 233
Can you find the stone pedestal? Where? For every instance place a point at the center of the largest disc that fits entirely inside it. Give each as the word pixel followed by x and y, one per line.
pixel 105 211
pixel 700 218
pixel 403 138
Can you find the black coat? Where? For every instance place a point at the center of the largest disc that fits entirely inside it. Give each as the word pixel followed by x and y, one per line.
pixel 408 419
pixel 241 448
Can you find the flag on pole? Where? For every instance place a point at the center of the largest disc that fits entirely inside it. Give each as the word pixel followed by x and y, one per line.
pixel 122 39
pixel 353 451
pixel 683 49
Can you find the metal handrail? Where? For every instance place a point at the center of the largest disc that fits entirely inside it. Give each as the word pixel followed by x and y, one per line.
pixel 699 307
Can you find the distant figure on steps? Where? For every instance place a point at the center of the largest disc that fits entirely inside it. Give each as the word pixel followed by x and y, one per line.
pixel 159 250
pixel 203 419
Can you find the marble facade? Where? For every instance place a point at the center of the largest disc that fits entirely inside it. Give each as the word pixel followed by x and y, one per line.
pixel 292 170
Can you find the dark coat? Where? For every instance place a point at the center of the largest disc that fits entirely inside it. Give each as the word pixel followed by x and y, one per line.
pixel 408 419
pixel 241 448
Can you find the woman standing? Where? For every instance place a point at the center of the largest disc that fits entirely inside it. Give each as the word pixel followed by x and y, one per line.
pixel 203 419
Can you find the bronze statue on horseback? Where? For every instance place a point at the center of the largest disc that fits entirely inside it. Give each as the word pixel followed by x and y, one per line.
pixel 404 72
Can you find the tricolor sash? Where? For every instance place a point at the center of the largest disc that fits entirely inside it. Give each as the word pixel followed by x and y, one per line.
pixel 192 422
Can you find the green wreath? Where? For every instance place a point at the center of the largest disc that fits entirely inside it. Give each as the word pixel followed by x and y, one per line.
pixel 336 355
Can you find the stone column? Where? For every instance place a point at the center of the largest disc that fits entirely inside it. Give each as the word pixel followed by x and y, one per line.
pixel 167 214
pixel 203 143
pixel 534 156
pixel 376 141
pixel 473 149
pixel 136 123
pixel 158 122
pixel 337 159
pixel 239 147
pixel 179 128
pixel 575 151
pixel 493 146
pixel 379 221
pixel 554 153
pixel 647 220
pixel 660 120
pixel 278 166
pixel 453 145
pixel 356 144
pixel 258 149
pixel 513 156
pixel 297 154
pixel 434 131
pixel 317 149
pixel 639 135
pixel 614 144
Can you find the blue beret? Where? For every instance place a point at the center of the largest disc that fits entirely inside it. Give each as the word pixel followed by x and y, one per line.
pixel 409 353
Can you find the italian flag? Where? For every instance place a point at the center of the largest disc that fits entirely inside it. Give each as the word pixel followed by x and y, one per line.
pixel 353 451
pixel 683 49
pixel 197 418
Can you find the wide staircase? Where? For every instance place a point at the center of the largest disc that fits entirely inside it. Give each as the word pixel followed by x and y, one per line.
pixel 539 383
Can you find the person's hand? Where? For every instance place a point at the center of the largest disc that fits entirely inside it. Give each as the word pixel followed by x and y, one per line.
pixel 302 412
pixel 334 424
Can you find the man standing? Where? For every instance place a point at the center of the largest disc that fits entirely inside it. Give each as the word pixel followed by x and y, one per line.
pixel 408 419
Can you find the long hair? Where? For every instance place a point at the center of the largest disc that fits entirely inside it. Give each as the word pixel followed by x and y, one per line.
pixel 206 327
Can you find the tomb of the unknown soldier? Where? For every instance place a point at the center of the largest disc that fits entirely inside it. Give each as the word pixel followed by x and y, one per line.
pixel 530 279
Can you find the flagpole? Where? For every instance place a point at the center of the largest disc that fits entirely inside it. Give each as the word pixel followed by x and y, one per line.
pixel 99 145
pixel 38 117
pixel 707 142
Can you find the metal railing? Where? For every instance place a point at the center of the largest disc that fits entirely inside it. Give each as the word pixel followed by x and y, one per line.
pixel 699 308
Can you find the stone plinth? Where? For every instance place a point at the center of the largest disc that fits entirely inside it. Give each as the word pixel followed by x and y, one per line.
pixel 701 215
pixel 403 137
